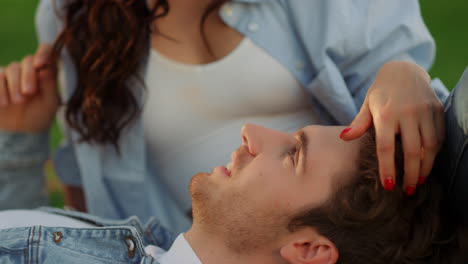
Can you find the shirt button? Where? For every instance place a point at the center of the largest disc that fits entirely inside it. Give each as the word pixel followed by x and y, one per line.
pixel 57 236
pixel 131 246
pixel 253 27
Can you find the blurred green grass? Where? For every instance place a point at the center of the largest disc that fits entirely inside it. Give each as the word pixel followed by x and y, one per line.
pixel 447 21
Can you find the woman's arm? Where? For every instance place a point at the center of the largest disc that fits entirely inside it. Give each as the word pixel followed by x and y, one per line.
pixel 22 179
pixel 29 100
pixel 382 50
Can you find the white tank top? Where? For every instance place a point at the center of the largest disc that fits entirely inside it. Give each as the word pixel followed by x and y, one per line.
pixel 194 113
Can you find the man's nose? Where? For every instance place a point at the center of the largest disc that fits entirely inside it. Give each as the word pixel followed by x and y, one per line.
pixel 255 137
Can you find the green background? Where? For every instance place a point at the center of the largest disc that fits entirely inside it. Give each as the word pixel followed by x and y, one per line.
pixel 447 21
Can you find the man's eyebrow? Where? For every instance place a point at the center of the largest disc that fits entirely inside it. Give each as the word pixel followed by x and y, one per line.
pixel 303 146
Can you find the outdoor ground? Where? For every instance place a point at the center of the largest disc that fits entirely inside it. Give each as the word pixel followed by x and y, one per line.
pixel 447 21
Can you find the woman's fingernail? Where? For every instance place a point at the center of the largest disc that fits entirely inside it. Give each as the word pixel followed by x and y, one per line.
pixel 409 190
pixel 346 130
pixel 389 184
pixel 421 180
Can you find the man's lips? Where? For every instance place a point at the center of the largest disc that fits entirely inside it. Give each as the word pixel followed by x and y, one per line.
pixel 235 159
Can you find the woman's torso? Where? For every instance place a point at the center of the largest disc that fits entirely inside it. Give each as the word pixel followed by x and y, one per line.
pixel 335 69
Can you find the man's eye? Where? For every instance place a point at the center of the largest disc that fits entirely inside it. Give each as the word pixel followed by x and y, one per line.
pixel 292 154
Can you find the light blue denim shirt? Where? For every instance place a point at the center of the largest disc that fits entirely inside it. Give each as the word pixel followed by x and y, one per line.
pixel 333 48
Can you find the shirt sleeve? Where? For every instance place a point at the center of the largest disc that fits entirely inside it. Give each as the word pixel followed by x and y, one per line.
pixel 66 165
pixel 22 180
pixel 47 20
pixel 391 30
pixel 354 39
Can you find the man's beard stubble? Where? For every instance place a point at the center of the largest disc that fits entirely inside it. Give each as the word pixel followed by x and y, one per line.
pixel 232 218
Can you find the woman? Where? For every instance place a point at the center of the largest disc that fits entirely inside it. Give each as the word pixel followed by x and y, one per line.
pixel 145 84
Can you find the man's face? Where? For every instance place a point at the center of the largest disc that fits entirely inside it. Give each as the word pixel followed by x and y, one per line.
pixel 271 177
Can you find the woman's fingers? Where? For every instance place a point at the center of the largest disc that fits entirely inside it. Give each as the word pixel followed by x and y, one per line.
pixel 48 82
pixel 45 68
pixel 18 80
pixel 421 135
pixel 385 140
pixel 439 119
pixel 4 98
pixel 13 80
pixel 411 140
pixel 432 138
pixel 360 124
pixel 28 76
pixel 42 56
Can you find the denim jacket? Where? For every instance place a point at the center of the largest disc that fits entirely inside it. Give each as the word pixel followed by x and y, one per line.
pixel 332 47
pixel 110 242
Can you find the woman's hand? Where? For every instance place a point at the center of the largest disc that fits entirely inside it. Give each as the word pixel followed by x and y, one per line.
pixel 401 101
pixel 28 93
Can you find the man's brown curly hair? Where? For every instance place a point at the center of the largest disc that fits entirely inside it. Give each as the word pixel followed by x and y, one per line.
pixel 369 224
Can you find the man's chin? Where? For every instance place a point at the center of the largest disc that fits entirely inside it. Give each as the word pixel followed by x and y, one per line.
pixel 200 174
pixel 196 184
pixel 197 177
pixel 199 189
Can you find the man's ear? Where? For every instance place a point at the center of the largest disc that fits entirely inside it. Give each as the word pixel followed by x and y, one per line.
pixel 310 250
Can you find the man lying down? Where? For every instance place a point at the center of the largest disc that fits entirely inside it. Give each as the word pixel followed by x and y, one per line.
pixel 306 197
pixel 302 198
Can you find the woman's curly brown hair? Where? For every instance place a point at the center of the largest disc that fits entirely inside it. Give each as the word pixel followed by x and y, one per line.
pixel 108 41
pixel 368 224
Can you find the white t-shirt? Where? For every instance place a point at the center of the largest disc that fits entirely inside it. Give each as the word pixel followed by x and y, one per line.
pixel 193 113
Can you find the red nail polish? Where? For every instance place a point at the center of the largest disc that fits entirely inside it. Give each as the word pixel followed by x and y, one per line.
pixel 421 180
pixel 409 190
pixel 346 130
pixel 389 184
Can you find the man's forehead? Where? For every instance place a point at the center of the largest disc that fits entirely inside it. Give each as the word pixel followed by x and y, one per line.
pixel 327 153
